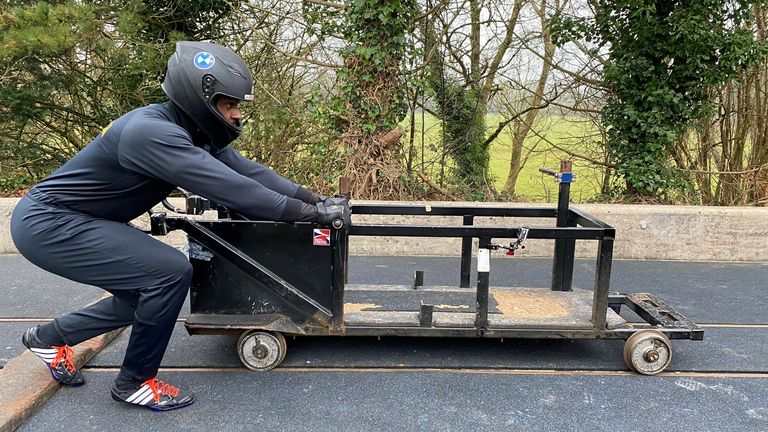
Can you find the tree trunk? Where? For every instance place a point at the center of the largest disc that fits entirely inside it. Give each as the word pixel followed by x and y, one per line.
pixel 373 99
pixel 515 160
pixel 523 127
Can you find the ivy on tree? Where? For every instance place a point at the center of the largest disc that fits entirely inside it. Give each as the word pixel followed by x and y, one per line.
pixel 664 54
pixel 372 98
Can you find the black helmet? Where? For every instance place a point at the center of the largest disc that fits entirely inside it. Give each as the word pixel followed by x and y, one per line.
pixel 199 72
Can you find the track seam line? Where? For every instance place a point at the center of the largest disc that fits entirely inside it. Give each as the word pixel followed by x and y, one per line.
pixel 731 325
pixel 469 371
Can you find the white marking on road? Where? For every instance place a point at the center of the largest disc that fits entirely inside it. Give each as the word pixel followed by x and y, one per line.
pixel 693 386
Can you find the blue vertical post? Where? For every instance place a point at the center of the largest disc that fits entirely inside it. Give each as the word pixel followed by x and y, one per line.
pixel 562 267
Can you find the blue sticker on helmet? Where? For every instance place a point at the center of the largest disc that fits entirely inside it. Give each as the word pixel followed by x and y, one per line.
pixel 204 60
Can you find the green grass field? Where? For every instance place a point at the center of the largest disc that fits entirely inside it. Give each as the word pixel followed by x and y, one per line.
pixel 575 134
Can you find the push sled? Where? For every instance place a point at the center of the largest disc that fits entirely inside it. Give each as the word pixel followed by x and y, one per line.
pixel 267 280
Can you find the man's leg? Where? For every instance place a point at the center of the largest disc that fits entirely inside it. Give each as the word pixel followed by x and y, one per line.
pixel 101 317
pixel 149 279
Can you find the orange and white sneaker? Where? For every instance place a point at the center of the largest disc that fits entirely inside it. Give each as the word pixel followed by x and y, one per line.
pixel 155 395
pixel 57 358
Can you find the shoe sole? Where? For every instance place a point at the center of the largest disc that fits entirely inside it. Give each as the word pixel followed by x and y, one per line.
pixel 152 408
pixel 53 375
pixel 157 409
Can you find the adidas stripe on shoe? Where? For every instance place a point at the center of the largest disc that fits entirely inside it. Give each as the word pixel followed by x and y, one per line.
pixel 155 395
pixel 57 358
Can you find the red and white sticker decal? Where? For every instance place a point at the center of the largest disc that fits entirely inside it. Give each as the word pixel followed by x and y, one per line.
pixel 321 237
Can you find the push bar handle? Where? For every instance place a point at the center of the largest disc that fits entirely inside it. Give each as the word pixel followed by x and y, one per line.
pixel 167 204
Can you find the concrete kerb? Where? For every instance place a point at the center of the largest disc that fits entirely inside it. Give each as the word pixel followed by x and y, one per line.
pixel 643 232
pixel 26 384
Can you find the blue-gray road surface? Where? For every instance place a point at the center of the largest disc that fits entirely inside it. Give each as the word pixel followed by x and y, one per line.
pixel 409 384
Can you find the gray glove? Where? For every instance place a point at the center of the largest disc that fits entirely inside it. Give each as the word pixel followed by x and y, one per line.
pixel 334 212
pixel 308 213
pixel 309 197
pixel 318 198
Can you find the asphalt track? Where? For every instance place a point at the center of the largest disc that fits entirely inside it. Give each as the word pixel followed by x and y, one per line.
pixel 367 384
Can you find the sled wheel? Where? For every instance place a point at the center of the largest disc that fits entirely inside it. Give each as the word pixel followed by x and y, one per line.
pixel 261 350
pixel 647 352
pixel 283 346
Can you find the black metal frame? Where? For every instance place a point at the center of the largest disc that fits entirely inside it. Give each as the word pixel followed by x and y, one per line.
pixel 311 318
pixel 303 315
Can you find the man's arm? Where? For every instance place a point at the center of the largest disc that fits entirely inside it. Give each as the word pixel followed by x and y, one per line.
pixel 264 175
pixel 165 152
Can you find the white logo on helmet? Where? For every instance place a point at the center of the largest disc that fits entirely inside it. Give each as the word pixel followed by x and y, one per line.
pixel 204 60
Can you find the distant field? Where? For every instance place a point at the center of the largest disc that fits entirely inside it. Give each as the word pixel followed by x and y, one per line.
pixel 572 133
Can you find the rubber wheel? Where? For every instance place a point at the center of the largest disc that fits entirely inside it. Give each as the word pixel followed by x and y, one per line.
pixel 648 352
pixel 260 350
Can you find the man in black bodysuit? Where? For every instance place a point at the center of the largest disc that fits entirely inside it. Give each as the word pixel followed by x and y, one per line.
pixel 74 222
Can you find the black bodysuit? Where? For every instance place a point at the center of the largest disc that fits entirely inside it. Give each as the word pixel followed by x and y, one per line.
pixel 145 154
pixel 73 224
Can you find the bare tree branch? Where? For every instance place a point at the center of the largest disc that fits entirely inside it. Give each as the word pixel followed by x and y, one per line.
pixel 571 152
pixel 434 9
pixel 333 5
pixel 434 186
pixel 504 123
pixel 502 50
pixel 300 58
